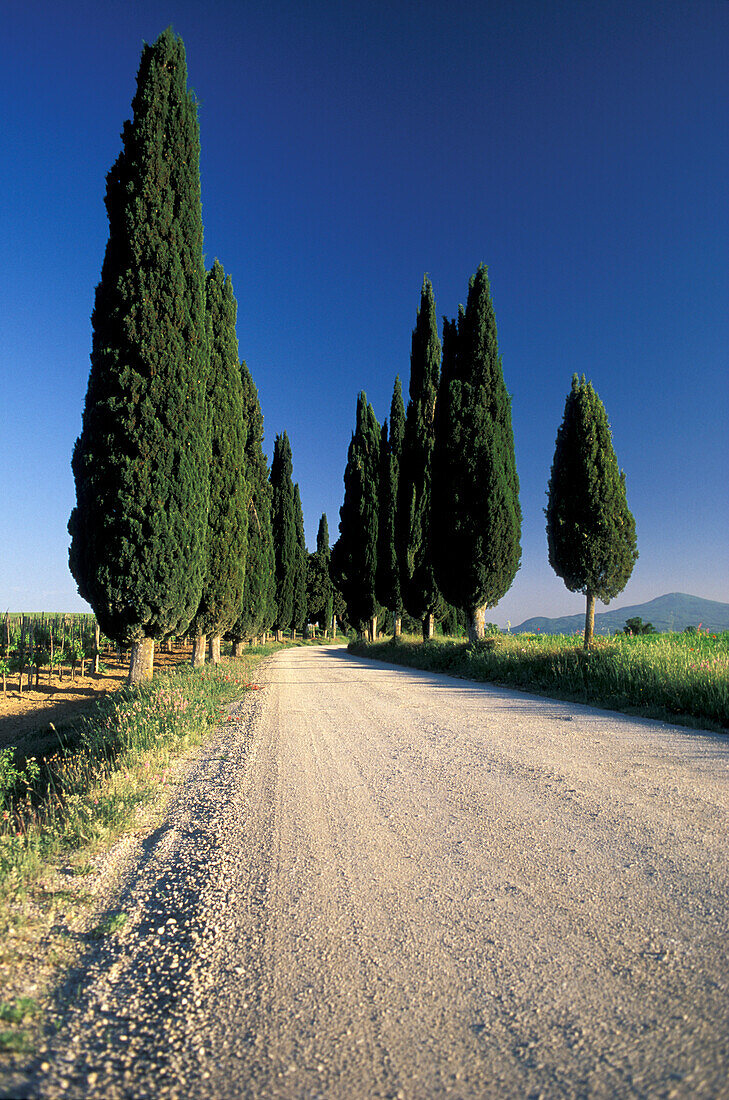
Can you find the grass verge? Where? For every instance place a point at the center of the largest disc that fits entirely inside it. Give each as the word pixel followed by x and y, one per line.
pixel 115 758
pixel 682 678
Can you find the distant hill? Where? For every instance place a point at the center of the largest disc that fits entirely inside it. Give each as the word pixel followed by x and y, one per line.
pixel 675 611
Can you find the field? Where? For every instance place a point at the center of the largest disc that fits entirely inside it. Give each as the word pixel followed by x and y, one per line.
pixel 59 698
pixel 676 677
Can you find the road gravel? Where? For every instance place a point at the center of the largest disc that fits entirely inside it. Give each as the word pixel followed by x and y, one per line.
pixel 384 883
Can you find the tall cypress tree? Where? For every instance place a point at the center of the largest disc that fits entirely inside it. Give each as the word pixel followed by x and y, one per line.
pixel 300 608
pixel 477 526
pixel 354 558
pixel 227 528
pixel 141 463
pixel 258 602
pixel 419 588
pixel 319 590
pixel 322 537
pixel 388 568
pixel 283 525
pixel 590 529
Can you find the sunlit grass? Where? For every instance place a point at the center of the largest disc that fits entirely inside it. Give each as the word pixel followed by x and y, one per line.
pixel 118 756
pixel 680 677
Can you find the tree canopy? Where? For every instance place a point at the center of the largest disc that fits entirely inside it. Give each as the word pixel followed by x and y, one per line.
pixel 141 463
pixel 418 585
pixel 354 558
pixel 258 601
pixel 227 527
pixel 590 529
pixel 283 525
pixel 477 529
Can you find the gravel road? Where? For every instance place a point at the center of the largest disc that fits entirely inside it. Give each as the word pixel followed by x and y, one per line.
pixel 377 882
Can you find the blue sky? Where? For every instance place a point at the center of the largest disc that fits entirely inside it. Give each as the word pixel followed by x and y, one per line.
pixel 579 149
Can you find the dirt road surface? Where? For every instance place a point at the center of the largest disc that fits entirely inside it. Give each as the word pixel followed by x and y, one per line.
pixel 385 883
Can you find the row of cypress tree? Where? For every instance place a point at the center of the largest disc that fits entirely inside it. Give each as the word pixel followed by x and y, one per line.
pixel 177 526
pixel 431 513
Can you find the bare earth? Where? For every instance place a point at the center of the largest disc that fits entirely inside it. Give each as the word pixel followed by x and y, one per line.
pixel 386 883
pixel 25 715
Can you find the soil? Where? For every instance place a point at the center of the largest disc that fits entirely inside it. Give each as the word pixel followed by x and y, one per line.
pixel 26 717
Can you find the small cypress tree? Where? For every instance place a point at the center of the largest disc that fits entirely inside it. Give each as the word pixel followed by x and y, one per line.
pixel 419 589
pixel 354 558
pixel 227 528
pixel 141 463
pixel 590 529
pixel 319 591
pixel 387 584
pixel 283 525
pixel 258 602
pixel 322 537
pixel 477 525
pixel 300 607
pixel 397 435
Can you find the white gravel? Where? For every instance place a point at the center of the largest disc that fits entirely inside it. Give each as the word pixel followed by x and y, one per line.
pixel 386 883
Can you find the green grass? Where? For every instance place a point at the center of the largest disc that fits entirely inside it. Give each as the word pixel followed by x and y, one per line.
pixel 110 925
pixel 681 678
pixel 19 1012
pixel 116 757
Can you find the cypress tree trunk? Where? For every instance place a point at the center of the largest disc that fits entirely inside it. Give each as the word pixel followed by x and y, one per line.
pixel 428 627
pixel 168 644
pixel 373 629
pixel 198 651
pixel 141 661
pixel 97 639
pixel 238 649
pixel 215 649
pixel 589 619
pixel 398 626
pixel 477 623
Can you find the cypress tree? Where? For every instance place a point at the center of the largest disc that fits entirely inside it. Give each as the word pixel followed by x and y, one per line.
pixel 354 558
pixel 419 589
pixel 141 463
pixel 322 537
pixel 300 607
pixel 258 603
pixel 319 592
pixel 476 533
pixel 388 570
pixel 590 529
pixel 283 525
pixel 227 527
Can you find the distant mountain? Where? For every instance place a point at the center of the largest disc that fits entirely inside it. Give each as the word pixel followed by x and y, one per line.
pixel 675 611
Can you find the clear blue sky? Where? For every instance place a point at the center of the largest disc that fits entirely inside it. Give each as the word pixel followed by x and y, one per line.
pixel 579 149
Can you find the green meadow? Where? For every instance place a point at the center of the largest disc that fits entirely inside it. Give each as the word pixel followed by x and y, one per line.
pixel 680 678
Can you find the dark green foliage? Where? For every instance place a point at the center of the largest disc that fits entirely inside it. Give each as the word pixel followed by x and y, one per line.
pixel 319 589
pixel 417 580
pixel 635 625
pixel 388 570
pixel 455 621
pixel 322 537
pixel 227 528
pixel 141 463
pixel 590 530
pixel 258 603
pixel 354 558
pixel 283 524
pixel 477 524
pixel 300 608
